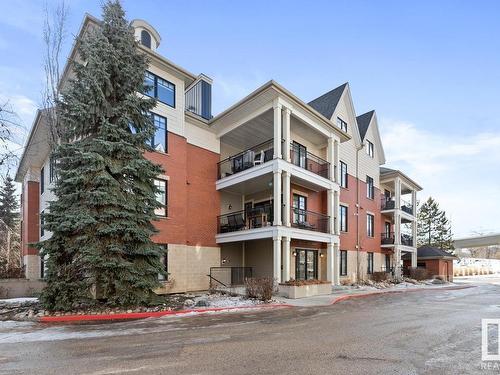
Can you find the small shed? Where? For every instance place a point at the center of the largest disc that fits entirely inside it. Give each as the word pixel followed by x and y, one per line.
pixel 437 261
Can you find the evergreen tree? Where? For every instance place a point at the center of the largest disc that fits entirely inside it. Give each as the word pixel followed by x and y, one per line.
pixel 101 221
pixel 9 204
pixel 433 227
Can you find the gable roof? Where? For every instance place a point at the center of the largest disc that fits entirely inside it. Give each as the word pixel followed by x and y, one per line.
pixel 433 252
pixel 326 103
pixel 364 122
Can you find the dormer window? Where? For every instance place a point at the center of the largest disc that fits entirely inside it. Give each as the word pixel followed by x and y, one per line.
pixel 342 124
pixel 145 39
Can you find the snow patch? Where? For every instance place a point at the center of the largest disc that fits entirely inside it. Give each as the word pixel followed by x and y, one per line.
pixel 18 300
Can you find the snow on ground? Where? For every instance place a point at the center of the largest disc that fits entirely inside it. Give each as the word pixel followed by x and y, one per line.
pixel 221 300
pixel 18 300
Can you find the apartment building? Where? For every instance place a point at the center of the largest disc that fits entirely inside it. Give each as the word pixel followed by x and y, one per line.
pixel 272 186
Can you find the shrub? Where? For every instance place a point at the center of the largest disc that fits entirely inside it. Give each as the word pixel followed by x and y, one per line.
pixel 419 273
pixel 260 287
pixel 346 282
pixel 379 276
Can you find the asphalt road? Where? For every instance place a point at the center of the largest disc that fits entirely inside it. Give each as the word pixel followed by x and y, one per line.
pixel 427 332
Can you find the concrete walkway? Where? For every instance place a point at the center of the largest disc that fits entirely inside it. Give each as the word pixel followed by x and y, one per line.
pixel 340 294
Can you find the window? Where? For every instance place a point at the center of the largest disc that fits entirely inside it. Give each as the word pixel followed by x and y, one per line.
pixel 145 39
pixel 161 197
pixel 42 267
pixel 342 124
pixel 159 88
pixel 306 264
pixel 299 209
pixel 370 189
pixel 164 262
pixel 42 180
pixel 299 154
pixel 343 218
pixel 52 170
pixel 370 263
pixel 369 148
pixel 160 139
pixel 387 262
pixel 370 219
pixel 42 223
pixel 343 262
pixel 343 175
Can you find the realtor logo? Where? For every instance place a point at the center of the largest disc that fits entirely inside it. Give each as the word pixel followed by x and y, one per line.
pixel 489 353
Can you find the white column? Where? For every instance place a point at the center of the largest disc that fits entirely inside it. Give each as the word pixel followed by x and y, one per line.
pixel 414 202
pixel 286 198
pixel 277 130
pixel 397 228
pixel 414 232
pixel 414 259
pixel 286 259
pixel 277 259
pixel 277 197
pixel 330 157
pixel 397 184
pixel 330 195
pixel 330 262
pixel 336 263
pixel 286 134
pixel 397 262
pixel 336 206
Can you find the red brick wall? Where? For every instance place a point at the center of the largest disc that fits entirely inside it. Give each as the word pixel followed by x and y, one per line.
pixel 348 196
pixel 193 202
pixel 31 216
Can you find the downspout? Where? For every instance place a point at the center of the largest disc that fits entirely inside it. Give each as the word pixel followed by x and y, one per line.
pixel 358 240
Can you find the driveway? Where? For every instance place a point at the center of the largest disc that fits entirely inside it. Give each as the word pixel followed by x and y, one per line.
pixel 427 332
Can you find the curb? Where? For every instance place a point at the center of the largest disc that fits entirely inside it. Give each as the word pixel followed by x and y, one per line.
pixel 362 295
pixel 153 314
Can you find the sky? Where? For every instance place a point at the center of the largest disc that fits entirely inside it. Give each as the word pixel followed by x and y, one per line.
pixel 430 70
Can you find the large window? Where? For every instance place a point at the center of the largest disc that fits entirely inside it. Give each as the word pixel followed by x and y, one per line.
pixel 369 149
pixel 161 197
pixel 164 262
pixel 387 263
pixel 370 220
pixel 343 175
pixel 343 262
pixel 42 224
pixel 343 218
pixel 370 188
pixel 160 139
pixel 342 124
pixel 145 39
pixel 42 180
pixel 306 264
pixel 299 154
pixel 160 89
pixel 299 209
pixel 370 263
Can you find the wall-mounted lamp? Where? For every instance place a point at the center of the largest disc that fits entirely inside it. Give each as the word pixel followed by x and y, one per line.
pixel 321 255
pixel 224 260
pixel 230 207
pixel 294 254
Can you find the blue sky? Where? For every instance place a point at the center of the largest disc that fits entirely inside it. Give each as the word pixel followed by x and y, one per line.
pixel 430 70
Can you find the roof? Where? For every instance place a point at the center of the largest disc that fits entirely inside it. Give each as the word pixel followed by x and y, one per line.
pixel 326 103
pixel 364 122
pixel 387 172
pixel 433 252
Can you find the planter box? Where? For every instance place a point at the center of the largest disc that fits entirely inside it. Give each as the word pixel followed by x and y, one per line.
pixel 302 291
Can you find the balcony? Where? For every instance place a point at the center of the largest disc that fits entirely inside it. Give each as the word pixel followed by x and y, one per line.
pixel 407 207
pixel 309 220
pixel 387 204
pixel 304 159
pixel 246 159
pixel 256 217
pixel 387 238
pixel 407 240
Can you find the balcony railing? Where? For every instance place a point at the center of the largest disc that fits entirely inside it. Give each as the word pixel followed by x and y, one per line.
pixel 406 240
pixel 387 204
pixel 407 207
pixel 245 159
pixel 387 238
pixel 311 162
pixel 309 220
pixel 256 217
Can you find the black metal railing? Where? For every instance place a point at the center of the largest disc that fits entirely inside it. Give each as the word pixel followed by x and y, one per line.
pixel 256 217
pixel 246 159
pixel 406 240
pixel 229 276
pixel 387 238
pixel 309 220
pixel 407 207
pixel 311 162
pixel 387 204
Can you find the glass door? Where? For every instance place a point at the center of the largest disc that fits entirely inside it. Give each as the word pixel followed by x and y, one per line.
pixel 306 264
pixel 299 209
pixel 299 154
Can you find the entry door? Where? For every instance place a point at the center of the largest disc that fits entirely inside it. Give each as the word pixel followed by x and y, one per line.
pixel 299 209
pixel 306 265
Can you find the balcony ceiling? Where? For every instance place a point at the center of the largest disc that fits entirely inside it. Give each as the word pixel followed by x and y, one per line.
pixel 251 133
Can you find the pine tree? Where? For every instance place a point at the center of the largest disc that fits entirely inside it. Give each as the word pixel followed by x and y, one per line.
pixel 101 221
pixel 9 204
pixel 433 227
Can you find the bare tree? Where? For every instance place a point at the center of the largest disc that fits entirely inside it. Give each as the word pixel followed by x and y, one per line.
pixel 8 121
pixel 54 36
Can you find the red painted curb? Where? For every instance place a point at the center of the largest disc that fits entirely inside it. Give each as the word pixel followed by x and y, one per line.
pixel 142 315
pixel 361 295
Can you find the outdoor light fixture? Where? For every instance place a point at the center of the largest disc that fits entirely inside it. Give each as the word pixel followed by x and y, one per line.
pixel 294 254
pixel 321 255
pixel 224 260
pixel 230 206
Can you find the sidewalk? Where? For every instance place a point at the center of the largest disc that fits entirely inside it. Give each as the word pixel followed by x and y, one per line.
pixel 339 295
